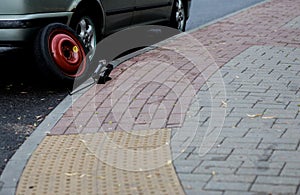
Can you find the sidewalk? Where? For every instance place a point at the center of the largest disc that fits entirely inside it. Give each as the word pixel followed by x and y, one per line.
pixel 214 111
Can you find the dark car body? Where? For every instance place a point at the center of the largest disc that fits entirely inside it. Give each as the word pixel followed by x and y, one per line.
pixel 21 19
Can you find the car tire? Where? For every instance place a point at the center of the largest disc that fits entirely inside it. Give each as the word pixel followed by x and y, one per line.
pixel 60 54
pixel 178 16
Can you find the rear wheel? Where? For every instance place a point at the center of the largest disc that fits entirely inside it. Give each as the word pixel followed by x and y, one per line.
pixel 86 30
pixel 178 16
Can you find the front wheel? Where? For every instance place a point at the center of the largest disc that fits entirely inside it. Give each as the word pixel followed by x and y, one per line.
pixel 60 54
pixel 178 16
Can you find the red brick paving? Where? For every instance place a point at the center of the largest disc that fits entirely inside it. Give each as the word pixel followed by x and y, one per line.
pixel 152 90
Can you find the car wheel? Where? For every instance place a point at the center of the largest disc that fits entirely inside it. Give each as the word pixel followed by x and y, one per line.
pixel 178 16
pixel 86 30
pixel 60 54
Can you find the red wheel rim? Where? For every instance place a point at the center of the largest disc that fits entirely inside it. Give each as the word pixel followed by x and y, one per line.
pixel 67 53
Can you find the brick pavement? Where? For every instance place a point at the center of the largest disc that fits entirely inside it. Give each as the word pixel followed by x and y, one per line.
pixel 229 92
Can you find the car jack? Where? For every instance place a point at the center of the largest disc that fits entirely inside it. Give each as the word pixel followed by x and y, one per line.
pixel 100 76
pixel 102 72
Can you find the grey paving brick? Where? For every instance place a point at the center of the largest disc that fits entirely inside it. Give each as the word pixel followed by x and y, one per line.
pixel 256 123
pixel 228 192
pixel 208 156
pixel 213 185
pixel 290 172
pixel 194 177
pixel 260 164
pixel 287 156
pixel 193 185
pixel 7 191
pixel 228 144
pixel 274 189
pixel 233 178
pixel 233 132
pixel 276 180
pixel 219 150
pixel 258 171
pixel 229 164
pixel 264 132
pixel 291 134
pixel 184 169
pixel 288 122
pixel 281 113
pixel 271 140
pixel 252 152
pixel 292 165
pixel 212 170
pixel 252 89
pixel 206 192
pixel 183 162
pixel 278 146
pixel 232 121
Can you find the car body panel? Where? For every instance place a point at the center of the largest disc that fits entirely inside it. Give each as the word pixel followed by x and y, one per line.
pixel 150 10
pixel 21 19
pixel 11 7
pixel 118 13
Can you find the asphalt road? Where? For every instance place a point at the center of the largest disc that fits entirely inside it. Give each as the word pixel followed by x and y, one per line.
pixel 205 11
pixel 24 101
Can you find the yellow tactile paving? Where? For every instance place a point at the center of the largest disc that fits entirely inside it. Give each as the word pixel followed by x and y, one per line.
pixel 135 162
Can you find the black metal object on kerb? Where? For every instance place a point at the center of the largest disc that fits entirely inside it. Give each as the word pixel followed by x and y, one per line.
pixel 100 76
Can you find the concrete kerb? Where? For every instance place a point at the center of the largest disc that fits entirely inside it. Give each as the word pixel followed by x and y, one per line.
pixel 14 168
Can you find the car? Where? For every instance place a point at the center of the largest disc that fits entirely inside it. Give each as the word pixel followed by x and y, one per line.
pixel 82 23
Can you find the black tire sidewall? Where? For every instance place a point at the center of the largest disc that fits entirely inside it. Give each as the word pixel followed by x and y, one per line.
pixel 44 60
pixel 173 22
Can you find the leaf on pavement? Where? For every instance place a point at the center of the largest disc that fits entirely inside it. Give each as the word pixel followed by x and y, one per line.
pixel 224 104
pixel 254 115
pixel 71 174
pixel 268 117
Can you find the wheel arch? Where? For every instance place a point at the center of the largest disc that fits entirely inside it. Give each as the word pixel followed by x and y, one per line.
pixel 95 10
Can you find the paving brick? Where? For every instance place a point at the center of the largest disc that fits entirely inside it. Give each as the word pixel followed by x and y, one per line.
pixel 259 163
pixel 228 192
pixel 290 172
pixel 193 185
pixel 197 192
pixel 278 146
pixel 194 177
pixel 258 171
pixel 213 185
pixel 230 164
pixel 277 189
pixel 292 165
pixel 233 178
pixel 212 170
pixel 277 180
pixel 287 156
